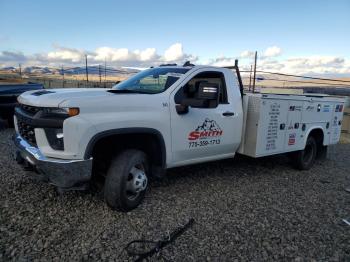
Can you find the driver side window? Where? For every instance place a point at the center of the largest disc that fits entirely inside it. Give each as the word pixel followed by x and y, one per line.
pixel 189 90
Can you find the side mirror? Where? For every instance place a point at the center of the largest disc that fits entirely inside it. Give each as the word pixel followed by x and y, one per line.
pixel 181 109
pixel 203 95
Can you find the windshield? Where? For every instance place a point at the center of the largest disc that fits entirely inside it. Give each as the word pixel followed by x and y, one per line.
pixel 153 80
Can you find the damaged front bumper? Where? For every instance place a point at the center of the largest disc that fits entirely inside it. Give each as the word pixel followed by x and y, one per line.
pixel 59 172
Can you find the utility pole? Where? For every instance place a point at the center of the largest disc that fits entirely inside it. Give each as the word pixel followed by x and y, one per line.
pixel 86 69
pixel 105 72
pixel 250 77
pixel 62 76
pixel 256 57
pixel 99 72
pixel 20 70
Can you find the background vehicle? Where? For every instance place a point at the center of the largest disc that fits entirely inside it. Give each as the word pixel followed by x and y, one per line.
pixel 161 118
pixel 8 97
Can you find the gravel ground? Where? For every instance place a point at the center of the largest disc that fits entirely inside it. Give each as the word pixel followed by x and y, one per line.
pixel 245 209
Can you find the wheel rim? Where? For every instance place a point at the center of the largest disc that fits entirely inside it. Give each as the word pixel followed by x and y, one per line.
pixel 136 182
pixel 308 153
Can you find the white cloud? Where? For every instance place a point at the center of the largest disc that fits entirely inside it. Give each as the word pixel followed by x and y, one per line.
pixel 112 54
pixel 65 54
pixel 173 53
pixel 148 54
pixel 124 55
pixel 268 59
pixel 247 54
pixel 272 51
pixel 223 61
pixel 306 65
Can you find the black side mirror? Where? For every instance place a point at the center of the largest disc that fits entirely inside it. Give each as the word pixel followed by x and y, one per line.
pixel 181 109
pixel 202 95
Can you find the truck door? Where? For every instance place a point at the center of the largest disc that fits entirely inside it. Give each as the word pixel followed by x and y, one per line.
pixel 204 133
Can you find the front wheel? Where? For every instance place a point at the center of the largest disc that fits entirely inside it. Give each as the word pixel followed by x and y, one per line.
pixel 305 159
pixel 127 181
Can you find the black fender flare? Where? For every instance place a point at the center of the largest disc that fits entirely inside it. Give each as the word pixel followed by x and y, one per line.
pixel 123 131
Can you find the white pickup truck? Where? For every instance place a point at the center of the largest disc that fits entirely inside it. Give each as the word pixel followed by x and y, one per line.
pixel 165 117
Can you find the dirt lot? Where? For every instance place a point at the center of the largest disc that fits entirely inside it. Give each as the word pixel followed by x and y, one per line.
pixel 245 209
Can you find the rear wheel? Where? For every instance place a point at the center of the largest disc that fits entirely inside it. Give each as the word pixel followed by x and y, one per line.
pixel 322 152
pixel 304 159
pixel 127 180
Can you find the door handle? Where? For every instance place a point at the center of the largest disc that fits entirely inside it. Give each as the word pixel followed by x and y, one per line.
pixel 228 114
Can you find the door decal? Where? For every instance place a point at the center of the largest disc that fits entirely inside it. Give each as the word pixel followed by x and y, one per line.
pixel 291 140
pixel 208 133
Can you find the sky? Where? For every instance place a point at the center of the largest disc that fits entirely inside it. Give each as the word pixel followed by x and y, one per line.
pixel 290 36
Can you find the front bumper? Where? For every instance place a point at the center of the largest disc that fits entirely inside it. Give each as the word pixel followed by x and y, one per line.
pixel 59 172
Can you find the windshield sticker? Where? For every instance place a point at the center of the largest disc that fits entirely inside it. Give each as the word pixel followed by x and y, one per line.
pixel 208 133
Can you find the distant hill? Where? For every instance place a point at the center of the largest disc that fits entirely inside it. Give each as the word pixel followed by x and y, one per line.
pixel 93 70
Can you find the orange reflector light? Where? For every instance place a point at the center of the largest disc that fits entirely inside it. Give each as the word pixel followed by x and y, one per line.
pixel 73 111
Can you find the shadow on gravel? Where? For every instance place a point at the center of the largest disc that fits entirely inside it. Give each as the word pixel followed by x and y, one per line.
pixel 238 167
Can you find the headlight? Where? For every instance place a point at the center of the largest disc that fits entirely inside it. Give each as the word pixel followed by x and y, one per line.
pixel 66 111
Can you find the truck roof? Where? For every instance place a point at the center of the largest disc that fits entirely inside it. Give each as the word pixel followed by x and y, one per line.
pixel 192 67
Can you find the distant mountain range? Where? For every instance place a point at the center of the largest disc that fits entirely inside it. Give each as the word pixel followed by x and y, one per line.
pixel 93 70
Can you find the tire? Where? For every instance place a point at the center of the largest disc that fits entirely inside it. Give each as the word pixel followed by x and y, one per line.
pixel 321 152
pixel 127 180
pixel 305 159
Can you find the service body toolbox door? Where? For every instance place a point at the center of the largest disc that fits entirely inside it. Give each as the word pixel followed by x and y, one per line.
pixel 272 126
pixel 337 118
pixel 293 139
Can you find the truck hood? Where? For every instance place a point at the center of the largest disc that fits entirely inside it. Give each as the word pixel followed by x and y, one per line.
pixel 54 97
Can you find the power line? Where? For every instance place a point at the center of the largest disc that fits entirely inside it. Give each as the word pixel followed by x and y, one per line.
pixel 307 77
pixel 105 73
pixel 306 82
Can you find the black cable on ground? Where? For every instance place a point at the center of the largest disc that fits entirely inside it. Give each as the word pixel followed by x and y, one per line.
pixel 157 246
